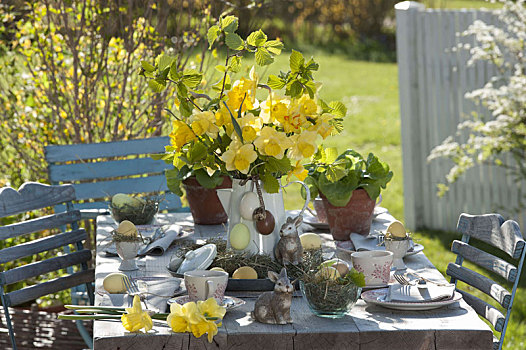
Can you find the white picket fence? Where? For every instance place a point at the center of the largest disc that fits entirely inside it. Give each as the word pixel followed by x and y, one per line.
pixel 432 82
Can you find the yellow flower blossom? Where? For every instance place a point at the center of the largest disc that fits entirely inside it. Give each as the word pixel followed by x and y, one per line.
pixel 303 145
pixel 204 123
pixel 239 156
pixel 210 309
pixel 307 105
pixel 135 319
pixel 271 142
pixel 322 125
pixel 197 318
pixel 181 134
pixel 299 171
pixel 277 109
pixel 250 126
pixel 243 89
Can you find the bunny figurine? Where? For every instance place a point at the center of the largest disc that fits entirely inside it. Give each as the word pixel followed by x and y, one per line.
pixel 274 307
pixel 289 248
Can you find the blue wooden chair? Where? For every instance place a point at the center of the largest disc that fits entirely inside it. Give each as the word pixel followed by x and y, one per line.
pixel 100 170
pixel 33 197
pixel 504 235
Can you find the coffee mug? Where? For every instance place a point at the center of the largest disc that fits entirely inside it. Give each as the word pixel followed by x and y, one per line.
pixel 204 284
pixel 374 264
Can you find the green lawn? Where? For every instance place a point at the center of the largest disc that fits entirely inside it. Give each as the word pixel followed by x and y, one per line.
pixel 370 92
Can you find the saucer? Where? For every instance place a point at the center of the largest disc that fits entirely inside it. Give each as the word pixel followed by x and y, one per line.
pixel 230 303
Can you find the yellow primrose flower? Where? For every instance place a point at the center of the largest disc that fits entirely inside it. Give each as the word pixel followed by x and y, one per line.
pixel 204 123
pixel 250 126
pixel 273 107
pixel 303 145
pixel 307 105
pixel 181 134
pixel 135 318
pixel 299 171
pixel 271 142
pixel 322 125
pixel 239 156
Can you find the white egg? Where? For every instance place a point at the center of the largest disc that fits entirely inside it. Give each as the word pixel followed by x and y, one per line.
pixel 249 202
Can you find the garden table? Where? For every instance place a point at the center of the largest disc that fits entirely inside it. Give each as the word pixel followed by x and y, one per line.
pixel 455 326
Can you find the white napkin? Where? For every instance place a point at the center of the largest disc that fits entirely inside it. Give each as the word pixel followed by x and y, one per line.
pixel 159 246
pixel 414 294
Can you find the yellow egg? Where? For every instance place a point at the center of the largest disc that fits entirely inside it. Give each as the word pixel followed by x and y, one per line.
pixel 127 228
pixel 310 241
pixel 328 272
pixel 114 283
pixel 217 269
pixel 245 273
pixel 239 236
pixel 397 229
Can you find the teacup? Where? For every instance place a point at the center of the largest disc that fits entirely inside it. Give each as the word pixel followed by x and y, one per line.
pixel 374 264
pixel 204 284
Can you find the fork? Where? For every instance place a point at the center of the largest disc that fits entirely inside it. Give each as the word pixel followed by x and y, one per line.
pixel 133 289
pixel 400 278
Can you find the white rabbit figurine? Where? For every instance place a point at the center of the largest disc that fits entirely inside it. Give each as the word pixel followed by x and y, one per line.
pixel 274 307
pixel 289 249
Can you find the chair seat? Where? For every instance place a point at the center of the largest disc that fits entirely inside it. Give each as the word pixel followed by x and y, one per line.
pixel 41 329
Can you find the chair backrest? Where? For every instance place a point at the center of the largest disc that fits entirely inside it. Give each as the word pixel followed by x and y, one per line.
pixel 100 170
pixel 39 235
pixel 504 235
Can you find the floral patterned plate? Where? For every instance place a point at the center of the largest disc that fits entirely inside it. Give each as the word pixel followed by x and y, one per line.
pixel 230 303
pixel 377 297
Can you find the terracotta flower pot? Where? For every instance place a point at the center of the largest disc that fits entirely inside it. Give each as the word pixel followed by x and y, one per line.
pixel 356 216
pixel 204 204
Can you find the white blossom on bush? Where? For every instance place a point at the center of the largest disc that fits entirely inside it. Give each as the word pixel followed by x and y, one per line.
pixel 504 96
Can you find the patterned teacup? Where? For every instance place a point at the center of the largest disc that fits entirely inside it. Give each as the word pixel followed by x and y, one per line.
pixel 374 264
pixel 204 284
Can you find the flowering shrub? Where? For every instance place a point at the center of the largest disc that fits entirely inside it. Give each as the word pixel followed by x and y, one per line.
pixel 236 132
pixel 503 95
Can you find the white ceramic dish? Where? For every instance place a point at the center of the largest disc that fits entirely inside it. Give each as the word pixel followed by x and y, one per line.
pixel 377 297
pixel 347 247
pixel 313 221
pixel 230 303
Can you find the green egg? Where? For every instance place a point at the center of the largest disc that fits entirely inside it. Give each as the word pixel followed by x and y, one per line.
pixel 240 236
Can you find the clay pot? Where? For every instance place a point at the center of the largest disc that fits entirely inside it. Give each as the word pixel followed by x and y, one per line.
pixel 204 204
pixel 356 216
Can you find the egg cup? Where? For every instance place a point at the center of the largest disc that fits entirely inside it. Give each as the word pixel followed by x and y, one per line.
pixel 127 251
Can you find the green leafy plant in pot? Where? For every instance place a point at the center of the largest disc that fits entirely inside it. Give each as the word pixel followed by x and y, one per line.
pixel 349 185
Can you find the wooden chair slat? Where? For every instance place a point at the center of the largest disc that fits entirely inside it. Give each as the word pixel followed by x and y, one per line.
pixel 41 245
pixel 99 170
pixel 30 293
pixel 44 266
pixel 31 196
pixel 105 189
pixel 488 311
pixel 485 260
pixel 38 224
pixel 482 283
pixel 492 229
pixel 65 153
